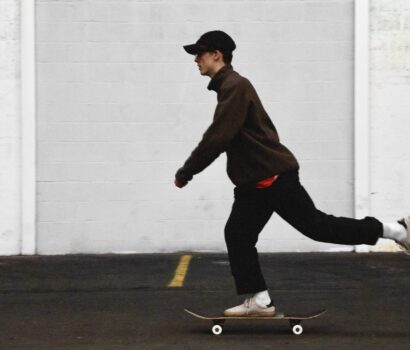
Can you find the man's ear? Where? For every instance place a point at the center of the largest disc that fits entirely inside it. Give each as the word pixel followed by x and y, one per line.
pixel 217 54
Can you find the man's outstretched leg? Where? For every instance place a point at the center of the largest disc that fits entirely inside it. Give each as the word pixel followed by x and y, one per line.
pixel 296 207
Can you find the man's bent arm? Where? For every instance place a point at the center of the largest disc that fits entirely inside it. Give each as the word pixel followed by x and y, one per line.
pixel 230 115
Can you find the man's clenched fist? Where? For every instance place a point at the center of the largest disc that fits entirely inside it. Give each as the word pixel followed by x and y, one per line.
pixel 179 183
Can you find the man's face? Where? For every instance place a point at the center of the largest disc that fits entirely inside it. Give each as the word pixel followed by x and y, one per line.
pixel 207 62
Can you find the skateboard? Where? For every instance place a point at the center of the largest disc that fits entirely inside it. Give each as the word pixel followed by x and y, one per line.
pixel 294 319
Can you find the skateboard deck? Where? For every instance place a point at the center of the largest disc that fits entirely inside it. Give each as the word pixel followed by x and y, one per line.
pixel 294 319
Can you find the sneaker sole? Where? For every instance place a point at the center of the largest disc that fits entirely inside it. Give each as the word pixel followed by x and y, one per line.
pixel 406 245
pixel 404 248
pixel 254 314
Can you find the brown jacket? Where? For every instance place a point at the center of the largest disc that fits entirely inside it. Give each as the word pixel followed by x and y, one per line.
pixel 241 128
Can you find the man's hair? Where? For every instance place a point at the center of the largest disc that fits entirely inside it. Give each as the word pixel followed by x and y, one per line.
pixel 227 56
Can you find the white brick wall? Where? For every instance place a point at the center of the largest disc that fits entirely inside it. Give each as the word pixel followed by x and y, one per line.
pixel 120 106
pixel 118 113
pixel 9 128
pixel 390 106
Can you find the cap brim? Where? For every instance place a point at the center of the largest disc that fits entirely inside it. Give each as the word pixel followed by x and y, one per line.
pixel 194 49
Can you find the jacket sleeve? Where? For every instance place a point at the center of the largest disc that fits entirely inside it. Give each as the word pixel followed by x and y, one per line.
pixel 230 115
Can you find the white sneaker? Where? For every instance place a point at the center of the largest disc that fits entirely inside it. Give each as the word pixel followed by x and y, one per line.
pixel 251 307
pixel 405 243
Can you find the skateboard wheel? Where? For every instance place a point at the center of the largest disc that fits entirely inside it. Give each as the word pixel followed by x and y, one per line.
pixel 297 329
pixel 217 329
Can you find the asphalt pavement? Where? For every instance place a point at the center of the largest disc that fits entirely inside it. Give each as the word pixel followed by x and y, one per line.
pixel 125 302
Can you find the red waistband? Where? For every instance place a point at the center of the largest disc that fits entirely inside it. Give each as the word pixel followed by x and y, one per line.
pixel 266 182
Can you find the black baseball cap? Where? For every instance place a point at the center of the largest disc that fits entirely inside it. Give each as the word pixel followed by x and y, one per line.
pixel 210 41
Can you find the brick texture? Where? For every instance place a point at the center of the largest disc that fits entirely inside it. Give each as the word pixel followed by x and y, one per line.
pixel 390 105
pixel 9 128
pixel 121 106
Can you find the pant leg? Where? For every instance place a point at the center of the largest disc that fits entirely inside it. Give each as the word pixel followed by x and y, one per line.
pixel 295 206
pixel 250 212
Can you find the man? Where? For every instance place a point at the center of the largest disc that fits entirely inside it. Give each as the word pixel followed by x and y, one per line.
pixel 266 175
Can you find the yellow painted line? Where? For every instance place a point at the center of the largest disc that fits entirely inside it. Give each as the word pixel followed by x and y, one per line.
pixel 180 272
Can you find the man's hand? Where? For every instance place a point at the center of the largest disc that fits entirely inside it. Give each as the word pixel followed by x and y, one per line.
pixel 179 183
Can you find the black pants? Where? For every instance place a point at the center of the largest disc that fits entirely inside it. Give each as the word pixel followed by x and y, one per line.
pixel 252 209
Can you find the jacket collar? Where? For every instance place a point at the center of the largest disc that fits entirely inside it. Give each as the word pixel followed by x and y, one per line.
pixel 219 76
